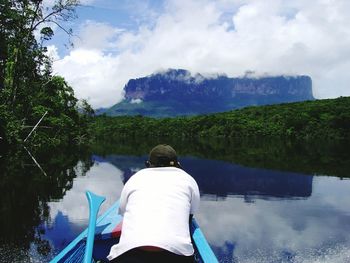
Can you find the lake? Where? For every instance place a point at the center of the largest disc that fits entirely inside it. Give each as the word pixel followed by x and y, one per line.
pixel 261 201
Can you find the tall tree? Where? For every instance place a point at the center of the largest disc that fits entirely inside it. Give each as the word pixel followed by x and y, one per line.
pixel 25 56
pixel 26 81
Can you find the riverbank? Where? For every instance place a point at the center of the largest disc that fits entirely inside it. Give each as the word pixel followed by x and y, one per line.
pixel 327 119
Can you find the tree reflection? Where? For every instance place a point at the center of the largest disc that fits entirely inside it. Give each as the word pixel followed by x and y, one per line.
pixel 305 157
pixel 26 190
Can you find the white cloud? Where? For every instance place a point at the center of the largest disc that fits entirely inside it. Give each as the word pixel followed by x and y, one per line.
pixel 97 36
pixel 274 37
pixel 93 75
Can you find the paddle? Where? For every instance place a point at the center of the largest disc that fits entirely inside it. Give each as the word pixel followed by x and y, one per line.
pixel 95 202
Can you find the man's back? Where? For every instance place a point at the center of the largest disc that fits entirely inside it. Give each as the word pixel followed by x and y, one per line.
pixel 156 203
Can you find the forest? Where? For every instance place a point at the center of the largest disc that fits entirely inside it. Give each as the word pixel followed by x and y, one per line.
pixel 327 119
pixel 28 88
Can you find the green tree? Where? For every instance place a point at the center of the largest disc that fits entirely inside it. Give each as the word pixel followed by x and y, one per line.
pixel 320 119
pixel 27 87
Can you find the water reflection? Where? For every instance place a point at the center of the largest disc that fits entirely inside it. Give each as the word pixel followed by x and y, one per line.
pixel 68 217
pixel 260 202
pixel 313 157
pixel 260 215
pixel 308 230
pixel 219 179
pixel 25 193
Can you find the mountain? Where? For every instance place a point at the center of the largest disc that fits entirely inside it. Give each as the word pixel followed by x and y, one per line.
pixel 176 92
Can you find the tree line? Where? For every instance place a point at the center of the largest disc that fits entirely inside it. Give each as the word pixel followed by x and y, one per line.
pixel 327 119
pixel 28 88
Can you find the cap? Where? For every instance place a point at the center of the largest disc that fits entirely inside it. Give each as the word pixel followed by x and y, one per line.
pixel 163 155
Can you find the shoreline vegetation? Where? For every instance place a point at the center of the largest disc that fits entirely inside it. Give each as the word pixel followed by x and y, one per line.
pixel 327 119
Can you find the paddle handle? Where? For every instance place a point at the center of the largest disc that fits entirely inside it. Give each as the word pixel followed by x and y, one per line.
pixel 95 202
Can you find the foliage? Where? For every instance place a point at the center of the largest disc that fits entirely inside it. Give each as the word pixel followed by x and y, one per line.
pixel 27 87
pixel 321 119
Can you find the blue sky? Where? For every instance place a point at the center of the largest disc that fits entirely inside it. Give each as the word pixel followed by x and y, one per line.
pixel 115 40
pixel 127 15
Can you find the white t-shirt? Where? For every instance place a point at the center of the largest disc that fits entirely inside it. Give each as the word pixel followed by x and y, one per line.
pixel 156 204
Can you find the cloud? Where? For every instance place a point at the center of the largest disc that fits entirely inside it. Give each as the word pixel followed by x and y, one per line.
pixel 93 75
pixel 209 37
pixel 97 36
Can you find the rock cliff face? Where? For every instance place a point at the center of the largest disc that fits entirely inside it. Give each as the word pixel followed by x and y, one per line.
pixel 177 92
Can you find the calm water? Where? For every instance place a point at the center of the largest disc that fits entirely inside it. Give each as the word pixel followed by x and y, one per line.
pixel 263 202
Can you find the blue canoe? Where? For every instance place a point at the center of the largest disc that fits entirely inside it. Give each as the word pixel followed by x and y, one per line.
pixel 107 233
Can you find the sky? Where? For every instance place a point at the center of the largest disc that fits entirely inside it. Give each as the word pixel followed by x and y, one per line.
pixel 116 40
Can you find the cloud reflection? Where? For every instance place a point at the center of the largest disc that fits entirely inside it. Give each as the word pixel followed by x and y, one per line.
pixel 309 223
pixel 311 230
pixel 102 179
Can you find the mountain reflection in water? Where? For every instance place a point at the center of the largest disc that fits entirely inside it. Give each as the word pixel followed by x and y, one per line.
pixel 220 179
pixel 259 215
pixel 263 202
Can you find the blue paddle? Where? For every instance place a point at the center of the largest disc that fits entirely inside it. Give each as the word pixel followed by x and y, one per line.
pixel 95 202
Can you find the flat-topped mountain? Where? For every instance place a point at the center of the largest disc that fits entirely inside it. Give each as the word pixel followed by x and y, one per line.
pixel 176 92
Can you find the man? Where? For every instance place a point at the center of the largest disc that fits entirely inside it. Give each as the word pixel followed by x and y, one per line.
pixel 156 204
